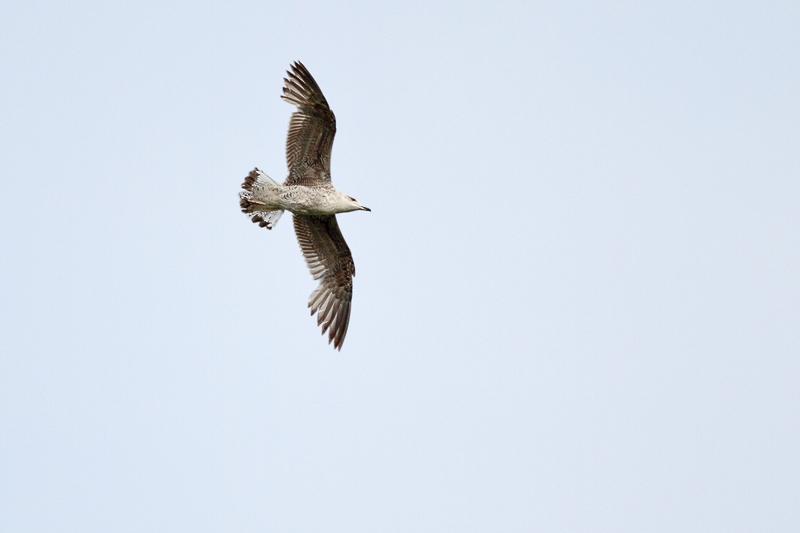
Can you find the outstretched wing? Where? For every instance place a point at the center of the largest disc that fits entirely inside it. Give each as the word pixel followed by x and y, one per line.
pixel 330 261
pixel 311 130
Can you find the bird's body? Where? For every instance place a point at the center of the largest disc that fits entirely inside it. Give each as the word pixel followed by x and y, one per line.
pixel 314 202
pixel 304 200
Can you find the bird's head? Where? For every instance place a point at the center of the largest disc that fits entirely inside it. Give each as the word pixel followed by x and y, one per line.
pixel 351 204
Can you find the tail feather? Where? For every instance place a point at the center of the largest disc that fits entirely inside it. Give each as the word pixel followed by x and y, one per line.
pixel 258 199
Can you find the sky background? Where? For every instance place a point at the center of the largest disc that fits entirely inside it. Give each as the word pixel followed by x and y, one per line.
pixel 577 301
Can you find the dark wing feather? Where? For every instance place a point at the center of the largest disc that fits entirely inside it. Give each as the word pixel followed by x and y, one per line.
pixel 311 129
pixel 329 259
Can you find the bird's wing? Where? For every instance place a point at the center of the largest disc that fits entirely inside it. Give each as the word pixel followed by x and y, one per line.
pixel 311 129
pixel 330 261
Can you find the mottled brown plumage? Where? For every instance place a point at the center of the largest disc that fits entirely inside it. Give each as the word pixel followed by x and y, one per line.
pixel 329 260
pixel 309 194
pixel 308 155
pixel 311 129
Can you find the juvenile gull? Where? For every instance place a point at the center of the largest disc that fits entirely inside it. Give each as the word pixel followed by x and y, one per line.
pixel 310 196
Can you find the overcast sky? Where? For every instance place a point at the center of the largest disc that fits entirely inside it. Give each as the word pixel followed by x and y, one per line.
pixel 577 301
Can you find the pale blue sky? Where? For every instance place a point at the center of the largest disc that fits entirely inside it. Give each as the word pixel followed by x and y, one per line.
pixel 577 306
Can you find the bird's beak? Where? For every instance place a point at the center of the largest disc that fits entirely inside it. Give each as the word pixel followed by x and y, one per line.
pixel 363 208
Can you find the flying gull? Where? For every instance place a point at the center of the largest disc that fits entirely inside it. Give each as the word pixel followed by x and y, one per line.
pixel 312 199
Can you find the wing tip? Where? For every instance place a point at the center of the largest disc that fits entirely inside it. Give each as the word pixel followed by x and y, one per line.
pixel 300 88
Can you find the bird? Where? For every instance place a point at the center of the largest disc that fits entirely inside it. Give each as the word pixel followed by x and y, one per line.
pixel 313 201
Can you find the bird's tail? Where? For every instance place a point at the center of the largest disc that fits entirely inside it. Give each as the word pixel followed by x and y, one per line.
pixel 258 199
